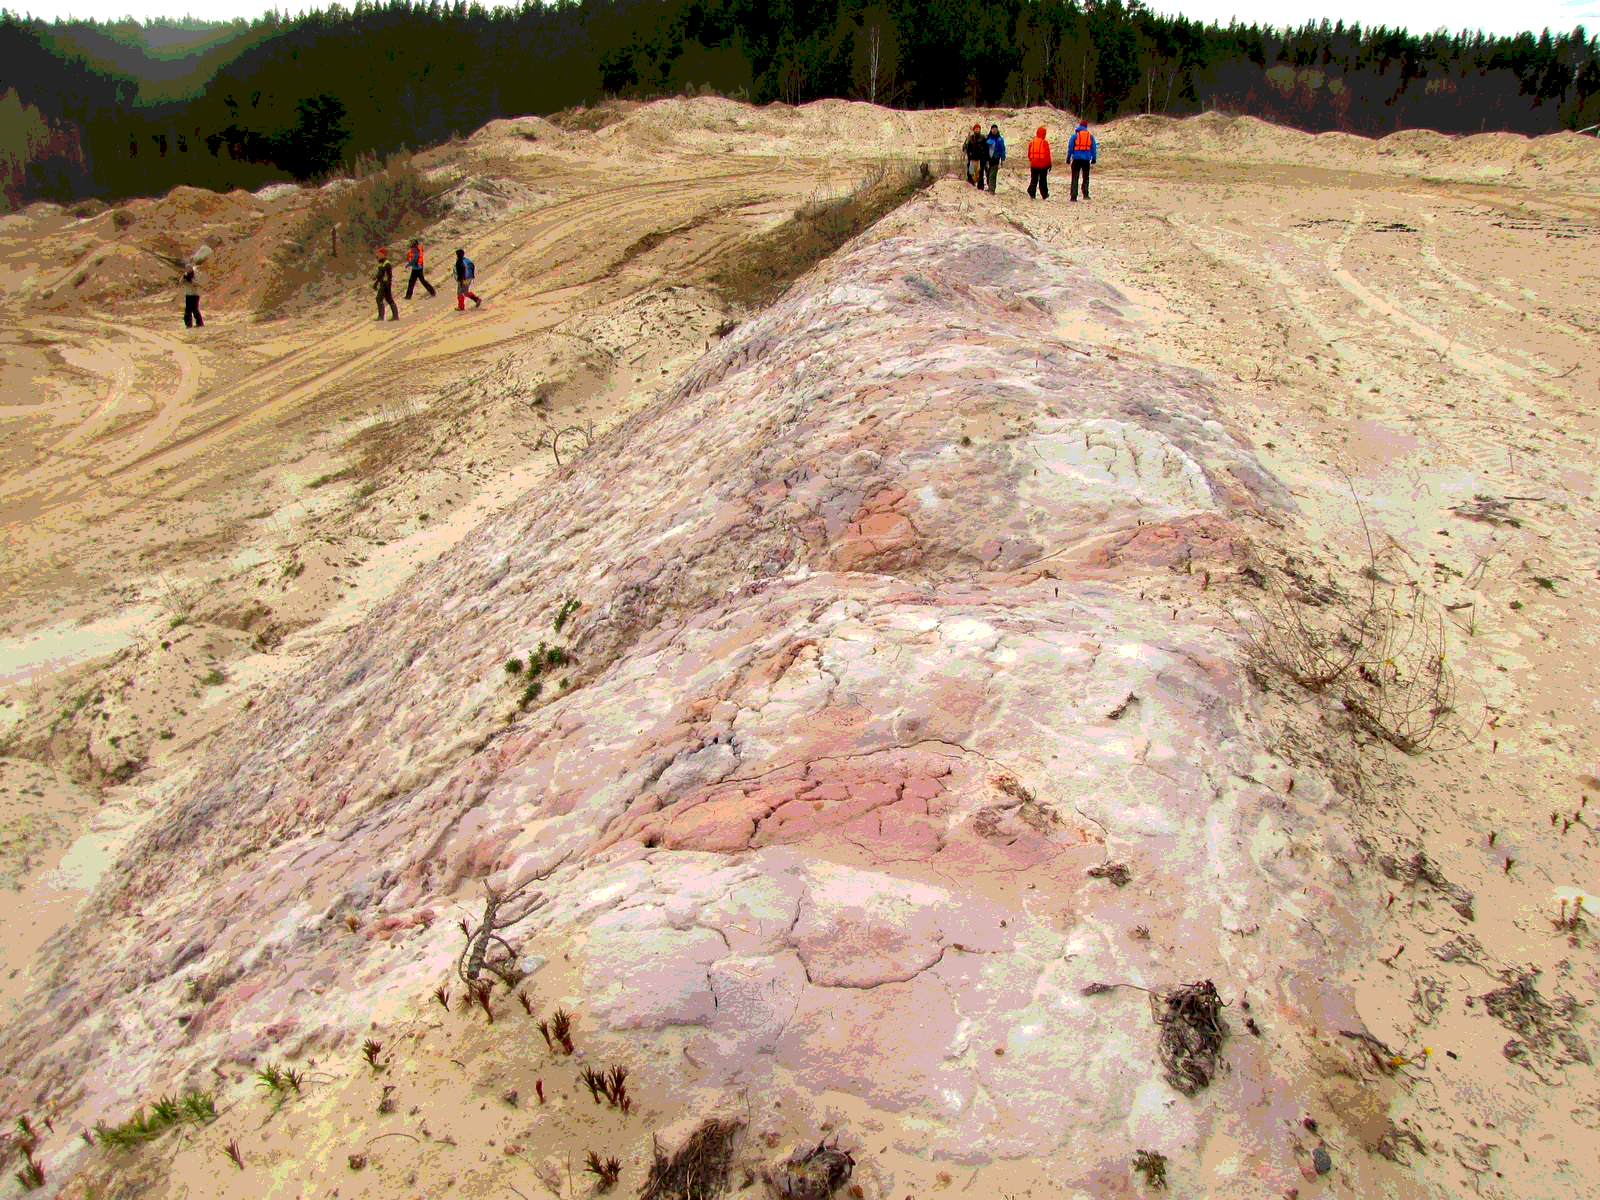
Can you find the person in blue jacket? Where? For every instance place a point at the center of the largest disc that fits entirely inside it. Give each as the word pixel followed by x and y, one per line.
pixel 1082 151
pixel 997 153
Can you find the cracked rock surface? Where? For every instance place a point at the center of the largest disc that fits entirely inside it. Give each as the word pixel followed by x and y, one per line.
pixel 863 681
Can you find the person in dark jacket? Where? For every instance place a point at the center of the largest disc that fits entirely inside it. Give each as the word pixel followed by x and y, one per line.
pixel 997 154
pixel 466 272
pixel 414 261
pixel 1081 149
pixel 383 285
pixel 191 301
pixel 977 152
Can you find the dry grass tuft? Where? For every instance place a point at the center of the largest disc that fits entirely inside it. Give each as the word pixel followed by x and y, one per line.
pixel 699 1169
pixel 1379 649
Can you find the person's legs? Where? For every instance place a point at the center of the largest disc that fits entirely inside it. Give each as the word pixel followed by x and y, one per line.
pixel 461 296
pixel 426 284
pixel 1077 171
pixel 387 294
pixel 188 312
pixel 994 174
pixel 1044 183
pixel 199 321
pixel 1086 167
pixel 411 283
pixel 1033 183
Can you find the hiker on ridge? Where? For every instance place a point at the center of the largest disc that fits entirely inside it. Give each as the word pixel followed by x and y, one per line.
pixel 1039 165
pixel 383 285
pixel 1083 153
pixel 977 152
pixel 191 301
pixel 414 261
pixel 466 271
pixel 997 154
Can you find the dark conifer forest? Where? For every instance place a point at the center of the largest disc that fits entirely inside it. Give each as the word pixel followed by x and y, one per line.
pixel 113 110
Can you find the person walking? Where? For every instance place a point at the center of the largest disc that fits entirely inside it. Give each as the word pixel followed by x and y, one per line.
pixel 191 301
pixel 997 154
pixel 414 261
pixel 465 273
pixel 383 285
pixel 1039 165
pixel 977 152
pixel 1083 153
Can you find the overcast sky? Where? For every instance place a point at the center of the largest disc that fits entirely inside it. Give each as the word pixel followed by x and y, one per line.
pixel 1419 16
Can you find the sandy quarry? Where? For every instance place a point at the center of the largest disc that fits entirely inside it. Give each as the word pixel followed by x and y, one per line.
pixel 1400 332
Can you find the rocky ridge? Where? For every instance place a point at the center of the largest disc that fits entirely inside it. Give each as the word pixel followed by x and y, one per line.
pixel 868 691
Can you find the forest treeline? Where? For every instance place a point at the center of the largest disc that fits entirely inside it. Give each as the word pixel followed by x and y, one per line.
pixel 294 97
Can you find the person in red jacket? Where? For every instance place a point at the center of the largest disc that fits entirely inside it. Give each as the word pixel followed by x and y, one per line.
pixel 1039 165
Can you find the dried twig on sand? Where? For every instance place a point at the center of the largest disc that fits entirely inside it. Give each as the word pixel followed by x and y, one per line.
pixel 698 1170
pixel 1189 1018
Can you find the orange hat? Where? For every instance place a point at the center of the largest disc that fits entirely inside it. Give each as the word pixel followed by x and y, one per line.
pixel 976 128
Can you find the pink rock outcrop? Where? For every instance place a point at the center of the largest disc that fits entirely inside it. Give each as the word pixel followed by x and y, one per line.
pixel 861 688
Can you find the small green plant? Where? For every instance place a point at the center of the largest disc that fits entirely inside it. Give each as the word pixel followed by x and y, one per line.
pixel 370 1049
pixel 279 1080
pixel 194 1107
pixel 1153 1166
pixel 608 1171
pixel 1548 585
pixel 513 666
pixel 232 1151
pixel 530 693
pixel 213 677
pixel 442 995
pixel 32 1174
pixel 568 607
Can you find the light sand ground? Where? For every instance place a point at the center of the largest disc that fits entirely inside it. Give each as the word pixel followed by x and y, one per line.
pixel 1400 326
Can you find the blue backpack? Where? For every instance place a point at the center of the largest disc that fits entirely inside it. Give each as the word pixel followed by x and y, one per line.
pixel 470 270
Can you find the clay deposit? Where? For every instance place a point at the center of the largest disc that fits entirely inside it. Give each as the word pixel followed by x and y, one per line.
pixel 912 747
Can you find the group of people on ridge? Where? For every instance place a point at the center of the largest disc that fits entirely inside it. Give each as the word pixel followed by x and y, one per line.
pixel 986 153
pixel 383 279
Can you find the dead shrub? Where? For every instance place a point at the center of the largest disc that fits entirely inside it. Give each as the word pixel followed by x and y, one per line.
pixel 1189 1018
pixel 1379 649
pixel 698 1170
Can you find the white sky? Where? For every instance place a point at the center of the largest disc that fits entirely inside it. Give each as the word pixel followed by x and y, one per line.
pixel 1418 16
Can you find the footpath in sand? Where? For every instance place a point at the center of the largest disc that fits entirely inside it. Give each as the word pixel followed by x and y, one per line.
pixel 906 724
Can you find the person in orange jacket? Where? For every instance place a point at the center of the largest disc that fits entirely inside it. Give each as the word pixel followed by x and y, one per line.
pixel 1082 151
pixel 414 261
pixel 1039 165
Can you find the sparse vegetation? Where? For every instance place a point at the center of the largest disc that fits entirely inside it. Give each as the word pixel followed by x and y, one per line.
pixel 194 1107
pixel 384 199
pixel 513 666
pixel 1379 650
pixel 370 1049
pixel 31 1176
pixel 233 1152
pixel 763 268
pixel 1153 1166
pixel 607 1172
pixel 280 1080
pixel 568 607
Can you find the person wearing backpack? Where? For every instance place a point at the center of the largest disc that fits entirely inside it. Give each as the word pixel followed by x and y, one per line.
pixel 465 273
pixel 1039 165
pixel 414 261
pixel 1083 153
pixel 383 285
pixel 977 152
pixel 997 154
